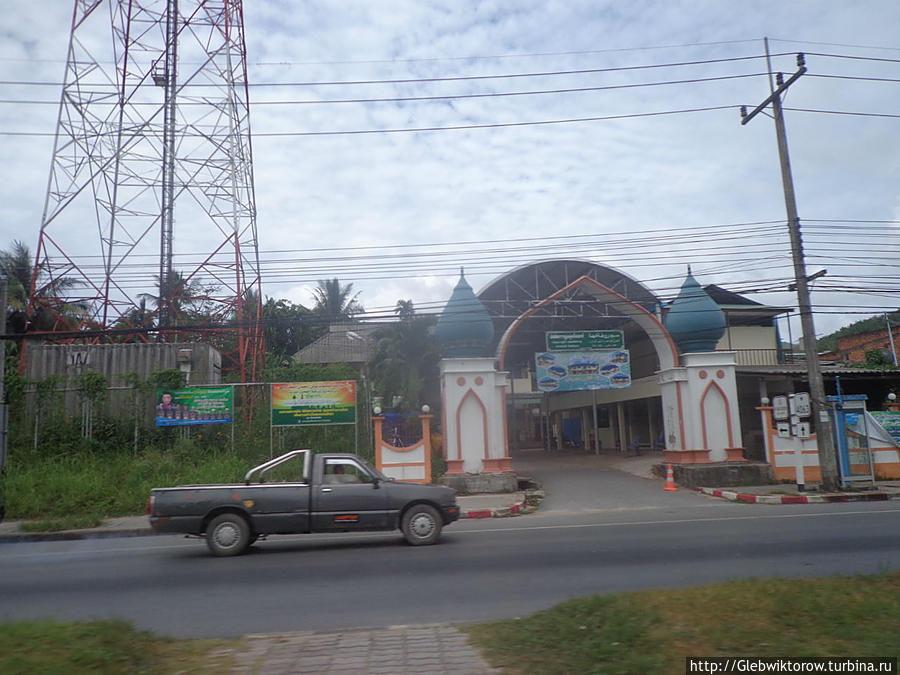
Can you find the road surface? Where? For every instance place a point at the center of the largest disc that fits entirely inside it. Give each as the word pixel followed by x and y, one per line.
pixel 482 570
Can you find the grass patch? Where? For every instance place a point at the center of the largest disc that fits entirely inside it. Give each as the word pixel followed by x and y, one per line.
pixel 113 647
pixel 53 488
pixel 653 631
pixel 73 522
pixel 646 632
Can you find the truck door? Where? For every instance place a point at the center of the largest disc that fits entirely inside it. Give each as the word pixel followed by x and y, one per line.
pixel 347 498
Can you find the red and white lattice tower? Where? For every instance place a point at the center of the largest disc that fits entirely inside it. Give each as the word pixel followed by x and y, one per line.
pixel 153 154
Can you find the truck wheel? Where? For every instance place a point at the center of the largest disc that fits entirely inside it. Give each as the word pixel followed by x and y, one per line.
pixel 421 525
pixel 228 534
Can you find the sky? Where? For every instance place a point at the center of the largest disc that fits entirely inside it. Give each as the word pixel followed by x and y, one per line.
pixel 524 130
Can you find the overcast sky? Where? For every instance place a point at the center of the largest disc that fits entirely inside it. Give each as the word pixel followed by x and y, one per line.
pixel 647 194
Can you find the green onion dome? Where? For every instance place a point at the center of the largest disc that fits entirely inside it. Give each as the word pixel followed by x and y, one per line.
pixel 694 320
pixel 464 329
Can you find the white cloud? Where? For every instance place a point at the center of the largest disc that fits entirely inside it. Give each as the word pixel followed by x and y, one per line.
pixel 615 177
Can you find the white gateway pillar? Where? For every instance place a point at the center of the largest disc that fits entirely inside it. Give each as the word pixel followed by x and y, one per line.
pixel 474 416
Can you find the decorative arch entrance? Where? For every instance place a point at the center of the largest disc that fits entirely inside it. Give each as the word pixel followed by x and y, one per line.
pixel 663 345
pixel 697 389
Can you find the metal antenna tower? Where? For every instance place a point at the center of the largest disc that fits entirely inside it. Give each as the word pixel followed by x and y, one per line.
pixel 154 113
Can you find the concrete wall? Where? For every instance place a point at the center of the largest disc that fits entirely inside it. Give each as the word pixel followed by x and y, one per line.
pixel 748 337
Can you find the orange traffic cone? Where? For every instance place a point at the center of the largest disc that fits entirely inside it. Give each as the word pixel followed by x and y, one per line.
pixel 670 480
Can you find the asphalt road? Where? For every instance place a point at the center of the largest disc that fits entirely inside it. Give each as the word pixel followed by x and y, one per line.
pixel 482 569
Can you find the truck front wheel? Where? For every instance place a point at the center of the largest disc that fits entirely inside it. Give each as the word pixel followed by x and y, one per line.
pixel 228 534
pixel 421 525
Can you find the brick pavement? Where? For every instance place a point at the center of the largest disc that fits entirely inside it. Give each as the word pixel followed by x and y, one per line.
pixel 419 650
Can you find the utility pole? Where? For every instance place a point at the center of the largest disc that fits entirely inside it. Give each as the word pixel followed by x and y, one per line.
pixel 824 426
pixel 890 333
pixel 4 407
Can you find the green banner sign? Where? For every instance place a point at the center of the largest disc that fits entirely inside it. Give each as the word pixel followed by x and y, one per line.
pixel 584 340
pixel 311 403
pixel 193 405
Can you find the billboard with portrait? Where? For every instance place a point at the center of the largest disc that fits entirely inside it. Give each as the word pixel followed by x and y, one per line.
pixel 193 405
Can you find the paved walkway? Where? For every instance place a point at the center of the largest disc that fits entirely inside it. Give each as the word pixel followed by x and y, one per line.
pixel 401 650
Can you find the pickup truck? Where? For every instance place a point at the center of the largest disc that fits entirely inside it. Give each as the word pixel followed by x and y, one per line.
pixel 302 492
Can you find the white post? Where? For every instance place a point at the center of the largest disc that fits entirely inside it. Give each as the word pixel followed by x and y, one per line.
pixel 798 463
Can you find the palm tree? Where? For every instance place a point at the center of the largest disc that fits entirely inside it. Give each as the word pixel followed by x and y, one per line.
pixel 404 310
pixel 17 265
pixel 404 365
pixel 186 298
pixel 334 300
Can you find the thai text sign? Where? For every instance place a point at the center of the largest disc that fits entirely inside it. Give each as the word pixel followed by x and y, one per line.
pixel 309 403
pixel 193 405
pixel 576 371
pixel 583 340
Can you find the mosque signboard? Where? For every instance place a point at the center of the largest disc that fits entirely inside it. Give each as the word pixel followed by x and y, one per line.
pixel 583 340
pixel 583 370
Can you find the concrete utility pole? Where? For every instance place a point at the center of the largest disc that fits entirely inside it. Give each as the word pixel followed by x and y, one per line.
pixel 824 427
pixel 4 408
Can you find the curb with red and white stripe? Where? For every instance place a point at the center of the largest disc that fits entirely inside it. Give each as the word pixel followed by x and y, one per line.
pixel 500 512
pixel 798 499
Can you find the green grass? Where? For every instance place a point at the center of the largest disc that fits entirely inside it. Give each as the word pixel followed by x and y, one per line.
pixel 653 631
pixel 646 632
pixel 74 522
pixel 113 647
pixel 99 485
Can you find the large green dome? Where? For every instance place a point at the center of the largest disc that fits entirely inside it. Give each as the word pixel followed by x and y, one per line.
pixel 695 321
pixel 464 329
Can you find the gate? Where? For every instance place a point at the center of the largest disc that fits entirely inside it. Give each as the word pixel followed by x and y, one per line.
pixel 412 463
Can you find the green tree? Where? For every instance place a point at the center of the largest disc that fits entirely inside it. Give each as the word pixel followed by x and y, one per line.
pixel 288 329
pixel 335 301
pixel 876 357
pixel 404 365
pixel 404 310
pixel 17 265
pixel 188 298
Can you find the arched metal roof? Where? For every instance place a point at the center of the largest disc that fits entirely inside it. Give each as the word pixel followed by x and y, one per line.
pixel 527 288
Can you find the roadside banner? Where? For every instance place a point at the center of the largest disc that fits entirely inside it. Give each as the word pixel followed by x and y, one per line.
pixel 577 371
pixel 311 403
pixel 889 423
pixel 193 405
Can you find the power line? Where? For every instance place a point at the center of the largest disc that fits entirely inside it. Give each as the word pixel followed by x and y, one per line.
pixel 448 97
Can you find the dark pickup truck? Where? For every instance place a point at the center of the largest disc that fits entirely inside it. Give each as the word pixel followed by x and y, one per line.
pixel 302 492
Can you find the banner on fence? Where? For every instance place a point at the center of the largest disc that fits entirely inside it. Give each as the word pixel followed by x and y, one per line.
pixel 310 403
pixel 193 405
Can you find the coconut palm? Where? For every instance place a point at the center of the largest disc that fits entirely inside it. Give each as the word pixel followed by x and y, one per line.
pixel 335 301
pixel 404 364
pixel 17 265
pixel 187 299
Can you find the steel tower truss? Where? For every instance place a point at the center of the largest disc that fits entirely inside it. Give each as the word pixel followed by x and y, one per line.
pixel 154 115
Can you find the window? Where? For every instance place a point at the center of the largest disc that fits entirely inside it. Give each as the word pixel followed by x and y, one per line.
pixel 345 471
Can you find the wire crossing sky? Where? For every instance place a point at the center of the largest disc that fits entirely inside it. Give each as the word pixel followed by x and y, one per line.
pixel 392 147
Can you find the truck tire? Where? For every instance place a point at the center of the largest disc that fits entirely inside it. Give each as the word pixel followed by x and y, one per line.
pixel 228 534
pixel 421 525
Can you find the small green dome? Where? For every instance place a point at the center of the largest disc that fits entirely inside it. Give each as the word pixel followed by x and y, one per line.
pixel 695 321
pixel 464 329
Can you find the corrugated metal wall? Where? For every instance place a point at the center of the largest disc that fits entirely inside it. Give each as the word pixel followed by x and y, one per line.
pixel 201 362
